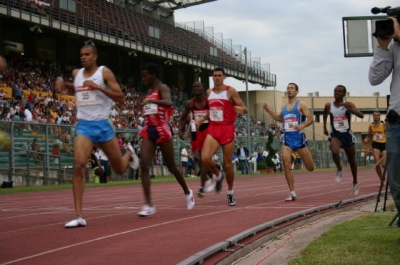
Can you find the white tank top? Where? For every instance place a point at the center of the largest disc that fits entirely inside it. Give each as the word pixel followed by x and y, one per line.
pixel 92 104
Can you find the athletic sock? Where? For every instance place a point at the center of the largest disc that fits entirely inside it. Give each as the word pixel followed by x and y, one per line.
pixel 220 175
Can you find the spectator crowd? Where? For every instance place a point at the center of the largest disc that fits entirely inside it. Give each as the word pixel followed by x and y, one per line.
pixel 33 100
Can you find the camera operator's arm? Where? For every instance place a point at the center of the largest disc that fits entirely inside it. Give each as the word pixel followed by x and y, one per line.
pixel 382 64
pixel 396 27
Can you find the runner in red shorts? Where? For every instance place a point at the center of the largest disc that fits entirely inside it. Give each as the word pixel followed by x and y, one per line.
pixel 224 102
pixel 157 110
pixel 198 108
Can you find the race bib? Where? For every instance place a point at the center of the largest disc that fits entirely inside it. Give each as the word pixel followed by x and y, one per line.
pixel 378 136
pixel 150 108
pixel 216 115
pixel 199 115
pixel 86 97
pixel 341 123
pixel 290 123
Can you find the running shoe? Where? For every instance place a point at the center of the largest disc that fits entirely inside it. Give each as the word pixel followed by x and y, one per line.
pixel 292 197
pixel 356 189
pixel 135 159
pixel 147 210
pixel 201 193
pixel 231 200
pixel 338 177
pixel 190 200
pixel 209 186
pixel 76 222
pixel 218 185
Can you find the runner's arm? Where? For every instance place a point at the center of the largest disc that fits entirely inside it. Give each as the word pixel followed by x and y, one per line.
pixel 353 109
pixel 306 112
pixel 60 84
pixel 369 134
pixel 183 119
pixel 240 107
pixel 275 116
pixel 327 109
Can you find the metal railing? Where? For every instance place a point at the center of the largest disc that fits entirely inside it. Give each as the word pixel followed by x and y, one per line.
pixel 51 161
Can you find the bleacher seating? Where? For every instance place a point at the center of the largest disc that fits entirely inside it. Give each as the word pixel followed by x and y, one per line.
pixel 104 17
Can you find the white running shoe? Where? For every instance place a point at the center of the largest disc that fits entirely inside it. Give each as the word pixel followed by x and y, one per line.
pixel 338 177
pixel 292 196
pixel 135 159
pixel 209 186
pixel 356 189
pixel 76 222
pixel 190 200
pixel 147 210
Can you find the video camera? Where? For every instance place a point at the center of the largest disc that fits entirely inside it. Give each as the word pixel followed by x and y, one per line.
pixel 385 27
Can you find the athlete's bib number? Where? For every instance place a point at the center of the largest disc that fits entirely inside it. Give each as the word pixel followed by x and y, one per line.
pixel 87 97
pixel 378 136
pixel 341 123
pixel 198 116
pixel 290 123
pixel 217 115
pixel 150 108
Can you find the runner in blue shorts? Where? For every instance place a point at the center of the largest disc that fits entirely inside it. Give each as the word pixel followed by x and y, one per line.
pixel 295 116
pixel 341 136
pixel 95 89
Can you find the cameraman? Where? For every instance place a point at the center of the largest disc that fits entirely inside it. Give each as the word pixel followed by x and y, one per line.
pixel 387 60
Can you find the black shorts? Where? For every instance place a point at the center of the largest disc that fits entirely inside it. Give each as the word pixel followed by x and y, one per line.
pixel 184 164
pixel 380 146
pixel 346 138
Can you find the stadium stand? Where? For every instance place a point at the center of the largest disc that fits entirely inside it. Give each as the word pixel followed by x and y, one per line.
pixel 120 23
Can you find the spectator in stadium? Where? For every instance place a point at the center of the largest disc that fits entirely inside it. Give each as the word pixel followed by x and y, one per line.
pixel 56 153
pixel 18 91
pixel 294 116
pixel 157 109
pixel 121 143
pixel 386 61
pixel 26 148
pixel 277 164
pixel 36 151
pixel 225 103
pixel 104 163
pixel 243 154
pixel 184 160
pixel 96 88
pixel 341 136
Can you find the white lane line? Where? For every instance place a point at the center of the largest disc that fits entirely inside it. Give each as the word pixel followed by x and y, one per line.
pixel 110 236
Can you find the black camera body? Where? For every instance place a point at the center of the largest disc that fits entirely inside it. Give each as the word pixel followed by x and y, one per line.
pixel 385 27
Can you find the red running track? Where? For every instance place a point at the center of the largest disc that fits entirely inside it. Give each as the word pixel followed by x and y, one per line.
pixel 32 224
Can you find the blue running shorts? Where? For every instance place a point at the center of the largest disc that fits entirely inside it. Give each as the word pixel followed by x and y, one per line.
pixel 97 131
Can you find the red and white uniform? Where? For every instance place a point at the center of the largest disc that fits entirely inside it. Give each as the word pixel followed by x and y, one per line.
pixel 222 116
pixel 201 134
pixel 157 127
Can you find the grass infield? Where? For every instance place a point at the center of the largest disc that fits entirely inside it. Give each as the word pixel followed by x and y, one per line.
pixel 364 240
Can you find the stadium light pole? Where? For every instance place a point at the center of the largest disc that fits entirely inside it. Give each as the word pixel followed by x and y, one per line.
pixel 313 113
pixel 246 74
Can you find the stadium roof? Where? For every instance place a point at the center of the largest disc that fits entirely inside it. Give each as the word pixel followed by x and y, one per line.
pixel 177 4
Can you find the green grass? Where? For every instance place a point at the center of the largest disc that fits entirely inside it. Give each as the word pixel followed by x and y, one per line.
pixel 21 189
pixel 363 240
pixel 158 179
